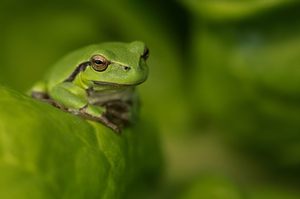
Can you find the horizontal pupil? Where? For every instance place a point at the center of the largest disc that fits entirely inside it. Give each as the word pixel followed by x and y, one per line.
pixel 98 62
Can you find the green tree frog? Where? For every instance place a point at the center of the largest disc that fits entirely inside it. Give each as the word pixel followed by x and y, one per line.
pixel 98 82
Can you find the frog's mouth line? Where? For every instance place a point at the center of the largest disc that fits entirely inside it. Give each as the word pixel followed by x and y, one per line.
pixel 100 83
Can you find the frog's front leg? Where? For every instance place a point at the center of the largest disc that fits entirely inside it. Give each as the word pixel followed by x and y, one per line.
pixel 74 99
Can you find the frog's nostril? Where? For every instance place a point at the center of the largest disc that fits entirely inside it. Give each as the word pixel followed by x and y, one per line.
pixel 126 68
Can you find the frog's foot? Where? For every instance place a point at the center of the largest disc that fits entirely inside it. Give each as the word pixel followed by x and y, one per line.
pixel 91 114
pixel 113 126
pixel 94 113
pixel 118 110
pixel 113 113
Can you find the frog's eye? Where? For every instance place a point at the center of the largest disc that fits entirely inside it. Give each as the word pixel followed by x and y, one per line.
pixel 99 63
pixel 145 54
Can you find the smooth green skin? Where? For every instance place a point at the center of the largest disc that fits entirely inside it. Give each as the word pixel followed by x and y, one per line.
pixel 73 95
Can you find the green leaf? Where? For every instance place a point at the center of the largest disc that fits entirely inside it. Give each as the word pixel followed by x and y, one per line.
pixel 47 153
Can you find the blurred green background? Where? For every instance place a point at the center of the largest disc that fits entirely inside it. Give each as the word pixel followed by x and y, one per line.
pixel 223 89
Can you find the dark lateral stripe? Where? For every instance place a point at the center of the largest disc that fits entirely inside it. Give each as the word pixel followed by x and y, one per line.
pixel 77 70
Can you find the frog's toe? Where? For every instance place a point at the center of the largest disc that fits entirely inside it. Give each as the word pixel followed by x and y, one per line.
pixel 104 120
pixel 124 116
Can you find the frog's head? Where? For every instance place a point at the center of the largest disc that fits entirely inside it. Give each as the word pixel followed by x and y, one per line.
pixel 115 64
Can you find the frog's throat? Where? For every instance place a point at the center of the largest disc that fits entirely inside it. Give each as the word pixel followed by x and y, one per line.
pixel 101 97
